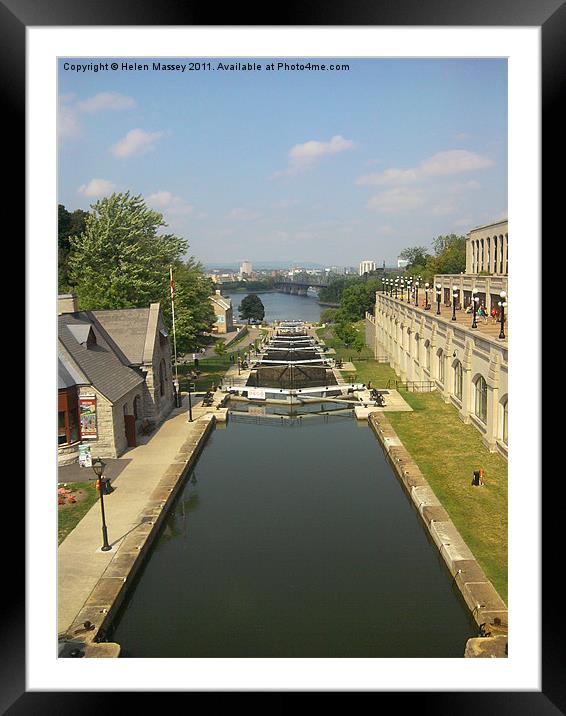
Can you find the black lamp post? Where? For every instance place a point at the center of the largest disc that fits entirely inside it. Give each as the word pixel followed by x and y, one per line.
pixel 438 295
pixel 98 466
pixel 502 304
pixel 475 301
pixel 417 293
pixel 426 289
pixel 454 297
pixel 396 286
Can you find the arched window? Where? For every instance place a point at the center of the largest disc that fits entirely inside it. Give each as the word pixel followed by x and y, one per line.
pixel 440 355
pixel 458 379
pixel 503 419
pixel 480 406
pixel 427 355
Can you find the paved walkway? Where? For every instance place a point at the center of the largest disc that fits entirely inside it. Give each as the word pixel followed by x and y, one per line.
pixel 463 319
pixel 81 563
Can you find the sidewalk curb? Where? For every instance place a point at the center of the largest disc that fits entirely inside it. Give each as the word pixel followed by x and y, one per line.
pixel 479 594
pixel 101 606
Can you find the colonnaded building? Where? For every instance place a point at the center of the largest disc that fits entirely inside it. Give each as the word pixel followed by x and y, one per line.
pixel 429 340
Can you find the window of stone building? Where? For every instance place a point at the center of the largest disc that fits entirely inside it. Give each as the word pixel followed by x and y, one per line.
pixel 427 354
pixel 458 379
pixel 62 428
pixel 440 355
pixel 68 420
pixel 137 407
pixel 480 407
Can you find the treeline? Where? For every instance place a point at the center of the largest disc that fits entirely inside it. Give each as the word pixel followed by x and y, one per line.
pixel 265 284
pixel 356 294
pixel 117 256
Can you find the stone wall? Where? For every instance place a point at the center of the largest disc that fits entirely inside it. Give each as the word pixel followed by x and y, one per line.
pixel 426 347
pixel 111 441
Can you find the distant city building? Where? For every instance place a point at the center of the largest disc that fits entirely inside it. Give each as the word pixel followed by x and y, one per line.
pixel 366 267
pixel 245 268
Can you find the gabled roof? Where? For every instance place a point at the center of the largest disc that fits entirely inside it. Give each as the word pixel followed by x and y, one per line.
pixel 222 301
pixel 128 329
pixel 102 363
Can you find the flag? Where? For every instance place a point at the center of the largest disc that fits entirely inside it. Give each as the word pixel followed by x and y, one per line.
pixel 172 285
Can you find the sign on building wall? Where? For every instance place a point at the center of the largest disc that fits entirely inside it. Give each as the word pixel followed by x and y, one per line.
pixel 87 409
pixel 256 393
pixel 85 457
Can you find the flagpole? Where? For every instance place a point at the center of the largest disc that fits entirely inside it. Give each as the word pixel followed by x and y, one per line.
pixel 171 286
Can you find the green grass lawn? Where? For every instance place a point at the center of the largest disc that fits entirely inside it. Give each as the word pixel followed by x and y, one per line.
pixel 448 452
pixel 70 515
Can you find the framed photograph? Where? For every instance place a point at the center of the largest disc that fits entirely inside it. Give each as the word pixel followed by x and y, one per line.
pixel 237 192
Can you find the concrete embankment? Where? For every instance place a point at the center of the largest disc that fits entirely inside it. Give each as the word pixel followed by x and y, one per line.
pixel 486 606
pixel 115 575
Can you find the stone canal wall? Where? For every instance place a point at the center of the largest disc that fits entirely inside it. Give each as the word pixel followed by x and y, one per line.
pixel 486 606
pixel 108 594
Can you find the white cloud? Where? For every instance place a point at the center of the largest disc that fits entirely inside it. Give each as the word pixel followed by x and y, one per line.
pixel 97 187
pixel 136 142
pixel 172 205
pixel 303 156
pixel 68 124
pixel 389 177
pixel 454 161
pixel 240 214
pixel 397 199
pixel 113 101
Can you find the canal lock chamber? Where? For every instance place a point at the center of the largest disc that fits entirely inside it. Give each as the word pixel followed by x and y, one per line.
pixel 293 537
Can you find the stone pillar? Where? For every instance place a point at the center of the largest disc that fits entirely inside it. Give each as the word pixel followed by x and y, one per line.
pixel 492 381
pixel 467 382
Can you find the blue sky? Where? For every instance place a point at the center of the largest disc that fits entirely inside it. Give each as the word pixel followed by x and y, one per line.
pixel 325 166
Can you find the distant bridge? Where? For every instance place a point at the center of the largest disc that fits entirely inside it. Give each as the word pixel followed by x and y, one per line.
pixel 300 286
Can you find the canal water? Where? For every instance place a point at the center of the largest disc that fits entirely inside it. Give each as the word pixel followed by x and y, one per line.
pixel 293 538
pixel 282 306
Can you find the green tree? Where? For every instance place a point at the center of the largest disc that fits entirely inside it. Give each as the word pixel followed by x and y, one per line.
pixel 194 315
pixel 359 344
pixel 328 315
pixel 120 260
pixel 220 348
pixel 346 333
pixel 415 255
pixel 68 224
pixel 252 307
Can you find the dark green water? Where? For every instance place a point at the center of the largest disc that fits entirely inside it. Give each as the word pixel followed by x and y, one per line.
pixel 293 540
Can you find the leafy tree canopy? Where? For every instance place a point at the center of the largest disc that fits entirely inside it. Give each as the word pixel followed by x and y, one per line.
pixel 120 260
pixel 68 224
pixel 252 307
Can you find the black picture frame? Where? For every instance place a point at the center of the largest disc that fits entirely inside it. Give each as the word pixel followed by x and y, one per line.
pixel 550 16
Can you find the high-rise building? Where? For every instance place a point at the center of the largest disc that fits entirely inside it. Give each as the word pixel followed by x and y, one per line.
pixel 245 268
pixel 366 267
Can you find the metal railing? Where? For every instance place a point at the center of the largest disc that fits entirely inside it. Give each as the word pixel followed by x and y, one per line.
pixel 412 386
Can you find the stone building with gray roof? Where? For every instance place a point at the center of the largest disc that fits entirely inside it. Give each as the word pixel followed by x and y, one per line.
pixel 114 376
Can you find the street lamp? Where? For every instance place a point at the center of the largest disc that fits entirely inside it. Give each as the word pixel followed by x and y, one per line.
pixel 438 295
pixel 426 290
pixel 396 286
pixel 417 293
pixel 475 301
pixel 454 297
pixel 502 304
pixel 101 482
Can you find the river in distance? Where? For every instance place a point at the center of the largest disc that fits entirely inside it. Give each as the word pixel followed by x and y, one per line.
pixel 281 306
